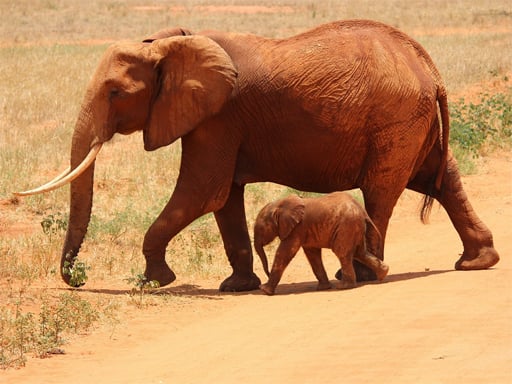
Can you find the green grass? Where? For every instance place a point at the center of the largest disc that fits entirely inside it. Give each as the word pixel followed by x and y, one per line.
pixel 48 52
pixel 41 332
pixel 481 127
pixel 487 122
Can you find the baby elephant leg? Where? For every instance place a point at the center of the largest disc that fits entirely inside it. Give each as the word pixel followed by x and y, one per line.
pixel 284 254
pixel 348 278
pixel 314 256
pixel 375 264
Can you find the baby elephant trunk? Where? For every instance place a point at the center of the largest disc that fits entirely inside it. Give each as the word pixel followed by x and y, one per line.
pixel 258 245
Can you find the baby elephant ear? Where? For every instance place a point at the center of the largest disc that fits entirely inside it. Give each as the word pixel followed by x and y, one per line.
pixel 289 213
pixel 195 79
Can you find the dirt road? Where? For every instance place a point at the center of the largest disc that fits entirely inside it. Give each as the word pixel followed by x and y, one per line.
pixel 426 323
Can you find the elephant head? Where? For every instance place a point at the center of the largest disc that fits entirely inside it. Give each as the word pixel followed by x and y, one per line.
pixel 275 219
pixel 165 88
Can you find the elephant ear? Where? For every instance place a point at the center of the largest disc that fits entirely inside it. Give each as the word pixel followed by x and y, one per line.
pixel 195 79
pixel 168 32
pixel 289 213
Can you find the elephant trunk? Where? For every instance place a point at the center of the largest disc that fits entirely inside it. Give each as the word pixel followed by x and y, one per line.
pixel 81 192
pixel 258 246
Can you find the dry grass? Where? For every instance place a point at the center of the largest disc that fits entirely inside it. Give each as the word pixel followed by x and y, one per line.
pixel 47 57
pixel 48 51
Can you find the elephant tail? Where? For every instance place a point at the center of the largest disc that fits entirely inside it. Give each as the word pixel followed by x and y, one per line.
pixel 445 134
pixel 428 201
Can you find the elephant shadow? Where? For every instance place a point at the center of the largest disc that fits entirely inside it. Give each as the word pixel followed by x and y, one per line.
pixel 310 286
pixel 199 292
pixel 184 290
pixel 409 275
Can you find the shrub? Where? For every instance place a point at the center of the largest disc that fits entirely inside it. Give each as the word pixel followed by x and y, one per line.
pixel 23 332
pixel 476 126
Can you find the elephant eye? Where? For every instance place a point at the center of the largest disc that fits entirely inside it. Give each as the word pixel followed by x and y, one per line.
pixel 114 92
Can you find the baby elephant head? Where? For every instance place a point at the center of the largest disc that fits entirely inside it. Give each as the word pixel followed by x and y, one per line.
pixel 278 218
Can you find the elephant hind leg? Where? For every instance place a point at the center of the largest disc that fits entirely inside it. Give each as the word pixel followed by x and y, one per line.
pixel 379 207
pixel 479 252
pixel 380 268
pixel 314 256
pixel 379 204
pixel 345 251
pixel 237 244
pixel 348 278
pixel 477 240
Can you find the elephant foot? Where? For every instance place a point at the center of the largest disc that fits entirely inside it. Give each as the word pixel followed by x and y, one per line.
pixel 382 271
pixel 346 284
pixel 486 258
pixel 363 273
pixel 323 286
pixel 267 289
pixel 159 271
pixel 238 283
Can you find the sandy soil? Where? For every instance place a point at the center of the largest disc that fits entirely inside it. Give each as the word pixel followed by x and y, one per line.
pixel 426 323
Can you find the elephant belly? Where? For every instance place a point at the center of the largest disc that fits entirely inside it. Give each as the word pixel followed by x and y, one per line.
pixel 301 168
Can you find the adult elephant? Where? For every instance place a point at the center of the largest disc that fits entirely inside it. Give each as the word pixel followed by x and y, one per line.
pixel 349 104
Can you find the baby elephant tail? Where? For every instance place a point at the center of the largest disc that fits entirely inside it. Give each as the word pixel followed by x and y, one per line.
pixel 374 259
pixel 370 226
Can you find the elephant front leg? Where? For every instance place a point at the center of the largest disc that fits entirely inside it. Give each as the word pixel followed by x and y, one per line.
pixel 165 227
pixel 232 224
pixel 180 211
pixel 284 254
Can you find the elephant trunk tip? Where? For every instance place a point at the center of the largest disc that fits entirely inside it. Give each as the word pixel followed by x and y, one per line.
pixel 263 257
pixel 265 266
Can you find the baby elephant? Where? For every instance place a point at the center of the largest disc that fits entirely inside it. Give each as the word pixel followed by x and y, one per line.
pixel 336 221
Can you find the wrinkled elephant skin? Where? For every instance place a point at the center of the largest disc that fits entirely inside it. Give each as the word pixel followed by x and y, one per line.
pixel 349 104
pixel 335 221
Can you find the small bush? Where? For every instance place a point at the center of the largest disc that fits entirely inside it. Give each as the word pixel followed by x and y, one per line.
pixel 478 126
pixel 140 285
pixel 54 224
pixel 77 272
pixel 23 332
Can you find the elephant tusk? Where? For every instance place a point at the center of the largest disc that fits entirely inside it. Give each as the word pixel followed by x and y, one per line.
pixel 57 178
pixel 66 176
